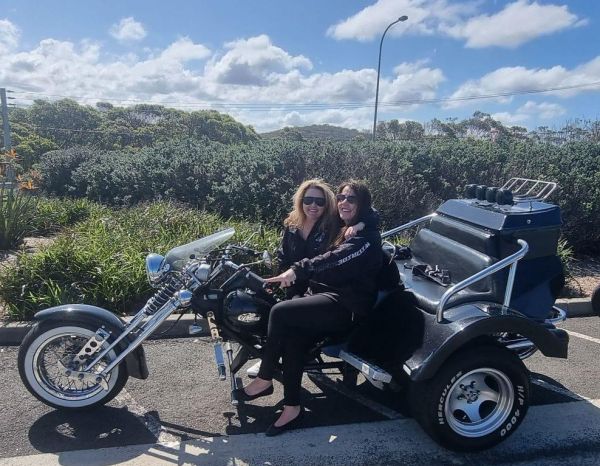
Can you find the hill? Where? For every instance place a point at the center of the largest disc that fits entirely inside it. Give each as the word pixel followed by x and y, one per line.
pixel 334 133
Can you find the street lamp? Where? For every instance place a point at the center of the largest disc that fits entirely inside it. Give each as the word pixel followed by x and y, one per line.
pixel 401 19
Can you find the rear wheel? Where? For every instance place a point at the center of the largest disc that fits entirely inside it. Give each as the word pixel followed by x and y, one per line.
pixel 476 400
pixel 596 301
pixel 47 366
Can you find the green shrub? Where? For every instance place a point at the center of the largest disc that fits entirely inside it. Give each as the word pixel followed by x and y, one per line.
pixel 256 181
pixel 53 214
pixel 100 261
pixel 17 209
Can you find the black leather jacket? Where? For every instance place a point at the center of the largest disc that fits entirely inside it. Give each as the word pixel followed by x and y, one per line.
pixel 350 270
pixel 295 248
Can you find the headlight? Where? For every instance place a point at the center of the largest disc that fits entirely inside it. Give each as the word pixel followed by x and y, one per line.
pixel 154 269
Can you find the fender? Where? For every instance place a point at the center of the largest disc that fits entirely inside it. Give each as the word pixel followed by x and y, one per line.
pixel 466 323
pixel 86 314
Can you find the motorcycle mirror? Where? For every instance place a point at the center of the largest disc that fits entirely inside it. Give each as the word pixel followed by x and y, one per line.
pixel 266 257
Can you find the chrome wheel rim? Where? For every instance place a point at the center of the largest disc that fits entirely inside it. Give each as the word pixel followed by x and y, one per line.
pixel 479 402
pixel 59 349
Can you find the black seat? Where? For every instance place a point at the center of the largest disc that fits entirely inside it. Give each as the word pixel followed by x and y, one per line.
pixel 434 249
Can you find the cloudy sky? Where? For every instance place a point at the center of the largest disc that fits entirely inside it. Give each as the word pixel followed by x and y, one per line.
pixel 275 63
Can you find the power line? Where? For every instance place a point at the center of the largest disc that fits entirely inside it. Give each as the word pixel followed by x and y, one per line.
pixel 266 106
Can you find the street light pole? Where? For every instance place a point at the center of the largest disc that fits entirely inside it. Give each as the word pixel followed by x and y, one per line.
pixel 401 19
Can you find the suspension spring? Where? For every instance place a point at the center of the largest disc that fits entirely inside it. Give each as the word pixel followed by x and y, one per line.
pixel 165 293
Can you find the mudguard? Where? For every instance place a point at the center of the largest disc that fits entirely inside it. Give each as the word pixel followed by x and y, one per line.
pixel 467 325
pixel 84 313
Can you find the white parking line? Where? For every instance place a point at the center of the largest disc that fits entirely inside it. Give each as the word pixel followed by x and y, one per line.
pixel 585 337
pixel 559 390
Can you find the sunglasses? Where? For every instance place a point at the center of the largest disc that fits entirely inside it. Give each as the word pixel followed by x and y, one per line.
pixel 308 200
pixel 343 197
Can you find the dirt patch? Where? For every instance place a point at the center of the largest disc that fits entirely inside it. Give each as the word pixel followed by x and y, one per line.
pixel 585 277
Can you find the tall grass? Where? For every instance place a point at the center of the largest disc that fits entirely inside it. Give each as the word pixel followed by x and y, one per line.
pixel 17 210
pixel 100 260
pixel 53 214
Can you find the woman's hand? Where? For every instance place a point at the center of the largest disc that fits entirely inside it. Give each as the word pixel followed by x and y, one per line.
pixel 353 230
pixel 285 280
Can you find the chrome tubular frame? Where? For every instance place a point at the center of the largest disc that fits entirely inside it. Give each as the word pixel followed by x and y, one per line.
pixel 525 189
pixel 507 261
pixel 406 226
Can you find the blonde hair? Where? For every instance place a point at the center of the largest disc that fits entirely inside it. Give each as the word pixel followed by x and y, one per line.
pixel 329 220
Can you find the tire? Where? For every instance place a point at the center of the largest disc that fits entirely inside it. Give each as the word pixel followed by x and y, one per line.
pixel 451 409
pixel 596 301
pixel 39 376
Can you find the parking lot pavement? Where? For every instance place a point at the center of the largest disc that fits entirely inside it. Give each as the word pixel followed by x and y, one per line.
pixel 183 400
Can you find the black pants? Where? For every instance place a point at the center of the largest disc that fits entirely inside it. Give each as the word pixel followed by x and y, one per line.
pixel 294 326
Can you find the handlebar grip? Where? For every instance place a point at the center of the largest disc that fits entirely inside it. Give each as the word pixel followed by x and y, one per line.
pixel 254 282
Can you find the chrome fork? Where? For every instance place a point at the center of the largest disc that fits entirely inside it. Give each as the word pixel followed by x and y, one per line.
pixel 181 299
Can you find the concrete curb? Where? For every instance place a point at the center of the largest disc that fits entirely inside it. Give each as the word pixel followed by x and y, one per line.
pixel 12 333
pixel 576 307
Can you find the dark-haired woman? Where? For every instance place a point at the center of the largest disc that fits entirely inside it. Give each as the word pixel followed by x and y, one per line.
pixel 342 286
pixel 310 229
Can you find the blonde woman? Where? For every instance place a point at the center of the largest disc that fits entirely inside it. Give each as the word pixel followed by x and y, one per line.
pixel 343 287
pixel 310 230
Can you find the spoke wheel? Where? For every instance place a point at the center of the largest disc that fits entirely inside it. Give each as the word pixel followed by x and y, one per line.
pixel 47 363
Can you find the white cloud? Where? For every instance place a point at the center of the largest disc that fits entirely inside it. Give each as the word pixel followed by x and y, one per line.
pixel 9 36
pixel 253 61
pixel 543 110
pixel 517 23
pixel 510 119
pixel 183 50
pixel 530 111
pixel 423 17
pixel 128 29
pixel 519 78
pixel 272 76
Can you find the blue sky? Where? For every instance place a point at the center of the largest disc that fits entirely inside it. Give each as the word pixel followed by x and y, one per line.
pixel 280 63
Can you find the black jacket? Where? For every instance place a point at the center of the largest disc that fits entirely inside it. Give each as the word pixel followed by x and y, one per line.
pixel 350 270
pixel 294 248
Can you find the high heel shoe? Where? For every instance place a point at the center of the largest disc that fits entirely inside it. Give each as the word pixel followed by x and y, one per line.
pixel 241 395
pixel 273 430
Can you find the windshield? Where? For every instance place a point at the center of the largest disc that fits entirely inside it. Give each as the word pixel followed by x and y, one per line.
pixel 177 257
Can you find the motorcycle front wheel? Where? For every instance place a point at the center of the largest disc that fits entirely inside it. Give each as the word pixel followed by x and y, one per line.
pixel 48 349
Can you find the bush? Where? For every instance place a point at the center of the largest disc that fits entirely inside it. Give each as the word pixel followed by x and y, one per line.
pixel 17 210
pixel 408 179
pixel 100 261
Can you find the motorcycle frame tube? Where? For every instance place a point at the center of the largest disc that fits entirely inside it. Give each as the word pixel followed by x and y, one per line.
pixel 406 226
pixel 507 261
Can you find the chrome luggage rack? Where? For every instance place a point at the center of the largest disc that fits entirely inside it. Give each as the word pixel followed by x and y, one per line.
pixel 524 189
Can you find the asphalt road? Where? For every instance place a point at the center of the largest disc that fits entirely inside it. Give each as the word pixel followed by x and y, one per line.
pixel 183 401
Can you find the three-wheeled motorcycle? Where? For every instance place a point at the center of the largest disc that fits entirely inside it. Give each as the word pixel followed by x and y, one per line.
pixel 478 284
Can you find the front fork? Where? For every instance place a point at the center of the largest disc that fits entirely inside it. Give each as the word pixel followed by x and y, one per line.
pixel 219 357
pixel 181 299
